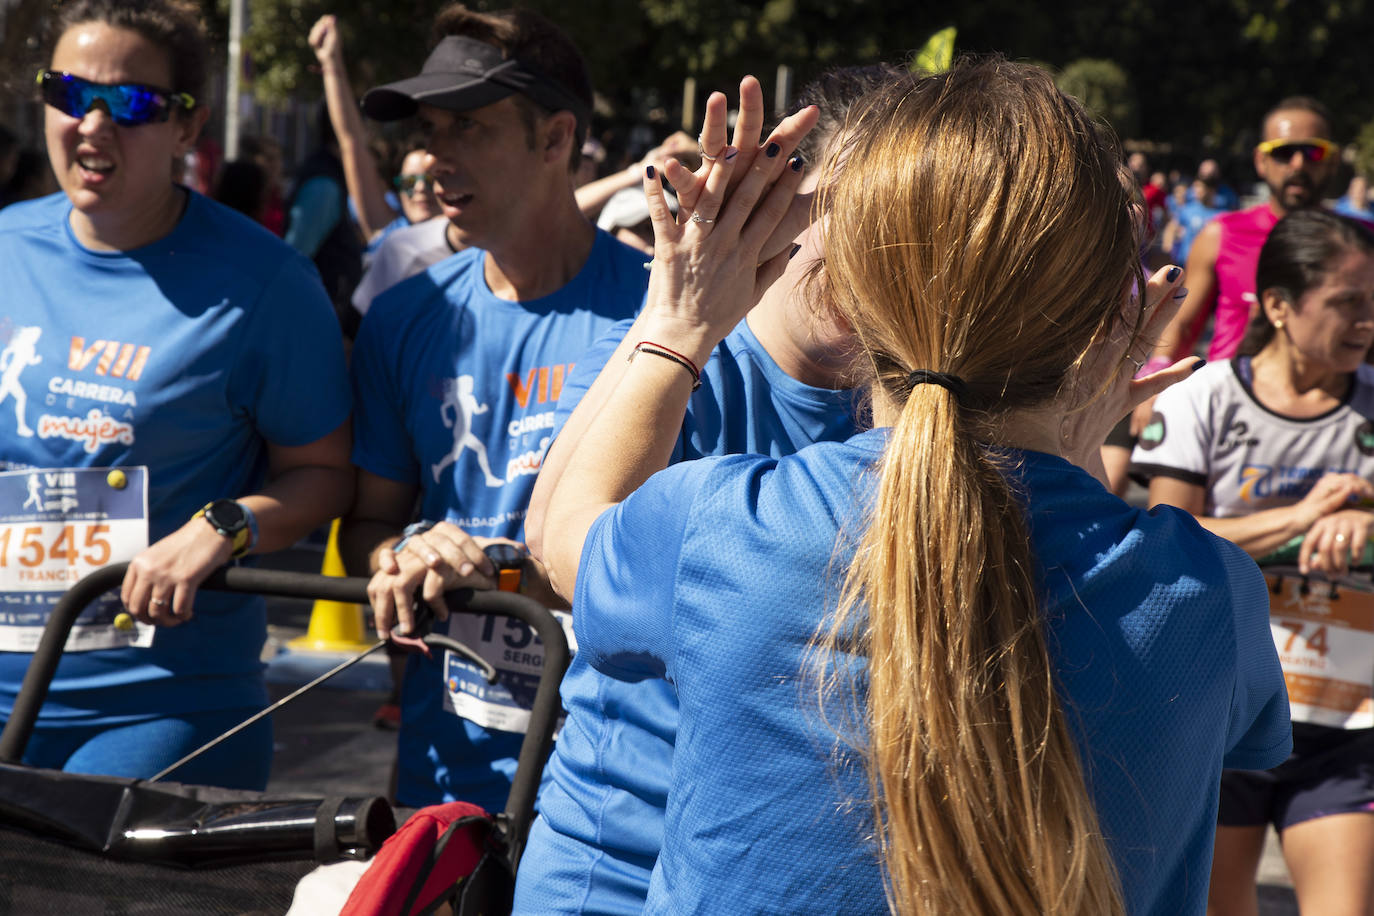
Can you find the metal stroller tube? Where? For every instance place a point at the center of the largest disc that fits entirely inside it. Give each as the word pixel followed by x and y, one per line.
pixel 514 822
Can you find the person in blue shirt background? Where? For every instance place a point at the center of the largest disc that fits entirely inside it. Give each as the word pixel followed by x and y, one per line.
pixel 145 326
pixel 778 382
pixel 937 667
pixel 1189 218
pixel 1355 202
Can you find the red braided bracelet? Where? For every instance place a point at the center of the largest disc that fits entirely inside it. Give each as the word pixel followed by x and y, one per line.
pixel 648 346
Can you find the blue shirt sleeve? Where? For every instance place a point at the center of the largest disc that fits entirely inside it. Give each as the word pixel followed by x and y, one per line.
pixel 290 376
pixel 1261 736
pixel 589 366
pixel 381 443
pixel 627 576
pixel 317 207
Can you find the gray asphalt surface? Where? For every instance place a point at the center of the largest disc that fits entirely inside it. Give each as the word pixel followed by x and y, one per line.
pixel 326 743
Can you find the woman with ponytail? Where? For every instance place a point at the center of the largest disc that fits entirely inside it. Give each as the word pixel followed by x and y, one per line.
pixel 1027 689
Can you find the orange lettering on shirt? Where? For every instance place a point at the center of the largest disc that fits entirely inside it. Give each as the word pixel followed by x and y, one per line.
pixel 126 353
pixel 107 357
pixel 543 384
pixel 140 360
pixel 80 355
pixel 522 389
pixel 557 390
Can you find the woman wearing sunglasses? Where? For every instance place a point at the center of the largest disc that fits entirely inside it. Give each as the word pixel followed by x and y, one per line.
pixel 157 400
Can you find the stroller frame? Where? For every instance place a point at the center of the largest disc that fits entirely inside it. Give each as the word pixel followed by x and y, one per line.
pixel 512 825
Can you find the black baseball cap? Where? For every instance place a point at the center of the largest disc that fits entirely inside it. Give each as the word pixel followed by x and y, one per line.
pixel 461 74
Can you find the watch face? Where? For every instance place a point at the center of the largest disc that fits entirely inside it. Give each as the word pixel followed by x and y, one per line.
pixel 226 515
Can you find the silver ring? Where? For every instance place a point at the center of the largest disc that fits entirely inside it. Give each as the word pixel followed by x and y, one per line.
pixel 158 601
pixel 702 150
pixel 698 218
pixel 1340 539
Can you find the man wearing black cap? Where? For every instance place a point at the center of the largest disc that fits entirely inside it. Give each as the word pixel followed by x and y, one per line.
pixel 457 372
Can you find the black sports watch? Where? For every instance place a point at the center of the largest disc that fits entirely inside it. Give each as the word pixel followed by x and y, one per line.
pixel 230 520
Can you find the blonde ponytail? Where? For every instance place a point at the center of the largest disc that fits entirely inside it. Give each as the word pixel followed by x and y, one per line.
pixel 978 788
pixel 980 227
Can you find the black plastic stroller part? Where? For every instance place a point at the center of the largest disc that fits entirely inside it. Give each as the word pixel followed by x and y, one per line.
pixel 334 827
pixel 188 826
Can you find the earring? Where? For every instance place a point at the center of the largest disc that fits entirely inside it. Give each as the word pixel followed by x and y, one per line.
pixel 1278 325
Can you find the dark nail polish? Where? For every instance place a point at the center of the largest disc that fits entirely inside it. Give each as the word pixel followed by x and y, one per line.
pixel 1173 273
pixel 772 150
pixel 797 163
pixel 795 249
pixel 1198 365
pixel 651 172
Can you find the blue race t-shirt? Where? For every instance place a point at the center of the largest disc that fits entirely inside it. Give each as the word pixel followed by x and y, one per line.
pixel 716 574
pixel 456 390
pixel 186 356
pixel 1191 216
pixel 602 805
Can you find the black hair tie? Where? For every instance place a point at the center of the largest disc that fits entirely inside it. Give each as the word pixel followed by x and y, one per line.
pixel 951 383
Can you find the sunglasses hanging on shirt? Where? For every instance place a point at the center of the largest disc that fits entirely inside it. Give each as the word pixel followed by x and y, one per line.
pixel 128 104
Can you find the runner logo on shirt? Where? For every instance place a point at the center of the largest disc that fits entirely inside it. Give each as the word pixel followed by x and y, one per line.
pixel 1152 436
pixel 20 352
pixel 460 399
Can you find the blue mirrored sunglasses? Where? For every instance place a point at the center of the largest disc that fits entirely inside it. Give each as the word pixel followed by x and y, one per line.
pixel 129 104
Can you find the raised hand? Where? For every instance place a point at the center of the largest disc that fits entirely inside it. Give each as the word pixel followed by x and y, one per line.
pixel 1107 380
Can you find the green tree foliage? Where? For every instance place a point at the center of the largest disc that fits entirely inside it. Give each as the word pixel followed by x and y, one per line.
pixel 1203 72
pixel 1104 89
pixel 382 40
pixel 1364 150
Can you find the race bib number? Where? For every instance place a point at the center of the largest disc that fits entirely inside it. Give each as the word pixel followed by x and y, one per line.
pixel 1325 637
pixel 55 527
pixel 518 656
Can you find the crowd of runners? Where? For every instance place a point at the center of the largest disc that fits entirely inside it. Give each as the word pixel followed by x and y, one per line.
pixel 861 621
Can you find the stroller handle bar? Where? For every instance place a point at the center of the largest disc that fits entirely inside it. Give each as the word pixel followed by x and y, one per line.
pixel 282 584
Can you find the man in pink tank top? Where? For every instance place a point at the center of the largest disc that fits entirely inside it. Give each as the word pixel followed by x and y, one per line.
pixel 1295 159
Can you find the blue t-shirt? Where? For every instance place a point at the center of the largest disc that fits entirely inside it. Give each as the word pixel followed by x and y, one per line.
pixel 716 574
pixel 456 390
pixel 602 804
pixel 1192 216
pixel 1352 208
pixel 186 356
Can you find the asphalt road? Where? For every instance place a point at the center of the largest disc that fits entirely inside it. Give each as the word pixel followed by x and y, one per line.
pixel 326 743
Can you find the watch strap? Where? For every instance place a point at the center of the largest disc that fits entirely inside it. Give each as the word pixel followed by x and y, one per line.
pixel 509 580
pixel 243 539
